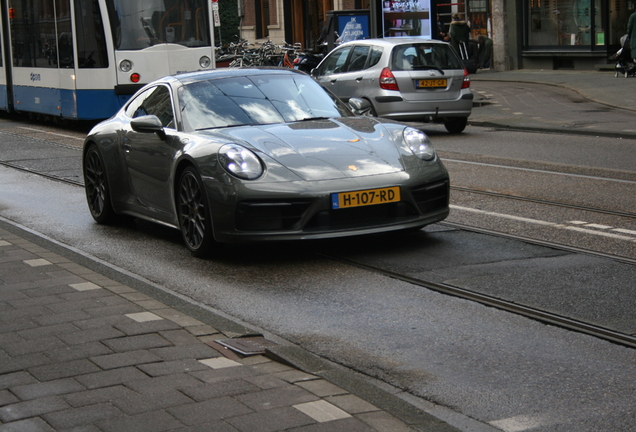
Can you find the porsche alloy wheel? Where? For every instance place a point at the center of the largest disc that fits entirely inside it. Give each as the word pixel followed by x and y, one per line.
pixel 96 187
pixel 194 215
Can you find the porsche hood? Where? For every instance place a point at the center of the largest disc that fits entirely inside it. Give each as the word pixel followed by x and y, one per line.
pixel 327 149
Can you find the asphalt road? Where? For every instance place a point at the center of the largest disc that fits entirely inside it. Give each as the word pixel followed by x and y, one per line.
pixel 503 370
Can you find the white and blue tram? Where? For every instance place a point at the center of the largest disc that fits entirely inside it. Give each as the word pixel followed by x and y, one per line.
pixel 83 59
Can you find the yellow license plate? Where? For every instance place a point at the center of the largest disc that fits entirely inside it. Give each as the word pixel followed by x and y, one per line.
pixel 365 197
pixel 432 83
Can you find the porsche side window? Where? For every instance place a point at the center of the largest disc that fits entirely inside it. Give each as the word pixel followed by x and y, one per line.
pixel 358 58
pixel 335 62
pixel 135 107
pixel 155 101
pixel 159 103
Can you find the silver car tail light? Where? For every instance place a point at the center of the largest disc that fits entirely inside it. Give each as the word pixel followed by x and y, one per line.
pixel 387 80
pixel 466 83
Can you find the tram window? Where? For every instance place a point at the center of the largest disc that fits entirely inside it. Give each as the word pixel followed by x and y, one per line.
pixel 42 34
pixel 91 40
pixel 154 101
pixel 138 25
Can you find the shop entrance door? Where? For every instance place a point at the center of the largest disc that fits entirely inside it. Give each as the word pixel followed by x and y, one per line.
pixel 307 19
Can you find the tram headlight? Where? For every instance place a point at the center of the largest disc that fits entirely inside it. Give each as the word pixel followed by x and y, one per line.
pixel 125 65
pixel 205 62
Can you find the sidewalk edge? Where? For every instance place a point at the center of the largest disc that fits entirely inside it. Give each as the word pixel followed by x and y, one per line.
pixel 563 86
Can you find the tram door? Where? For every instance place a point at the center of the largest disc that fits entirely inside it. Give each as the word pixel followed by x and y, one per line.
pixel 42 56
pixel 95 78
pixel 66 58
pixel 4 102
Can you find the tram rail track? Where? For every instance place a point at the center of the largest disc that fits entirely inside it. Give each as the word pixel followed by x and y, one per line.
pixel 546 202
pixel 505 305
pixel 41 174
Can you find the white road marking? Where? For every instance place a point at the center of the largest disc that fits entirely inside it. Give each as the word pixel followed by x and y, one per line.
pixel 624 231
pixel 546 223
pixel 591 225
pixel 603 227
pixel 539 171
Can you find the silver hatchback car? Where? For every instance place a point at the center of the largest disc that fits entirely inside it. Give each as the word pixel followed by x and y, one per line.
pixel 405 79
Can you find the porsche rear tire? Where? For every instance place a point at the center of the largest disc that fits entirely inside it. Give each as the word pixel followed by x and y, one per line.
pixel 194 214
pixel 96 186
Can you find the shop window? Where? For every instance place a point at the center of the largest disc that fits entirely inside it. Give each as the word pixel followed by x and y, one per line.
pixel 566 23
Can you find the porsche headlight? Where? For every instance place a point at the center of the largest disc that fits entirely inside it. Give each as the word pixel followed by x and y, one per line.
pixel 419 143
pixel 241 162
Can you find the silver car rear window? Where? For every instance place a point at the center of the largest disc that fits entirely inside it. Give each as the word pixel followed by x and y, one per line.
pixel 419 56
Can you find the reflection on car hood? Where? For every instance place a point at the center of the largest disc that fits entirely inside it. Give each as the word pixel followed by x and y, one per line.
pixel 326 149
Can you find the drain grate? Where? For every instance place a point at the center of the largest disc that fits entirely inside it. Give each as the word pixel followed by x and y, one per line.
pixel 252 345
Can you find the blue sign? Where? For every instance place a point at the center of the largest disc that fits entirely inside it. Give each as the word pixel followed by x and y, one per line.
pixel 353 27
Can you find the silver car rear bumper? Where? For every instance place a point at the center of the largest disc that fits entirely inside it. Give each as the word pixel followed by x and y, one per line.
pixel 396 108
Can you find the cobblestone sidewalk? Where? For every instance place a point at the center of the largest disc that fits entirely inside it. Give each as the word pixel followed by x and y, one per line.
pixel 79 351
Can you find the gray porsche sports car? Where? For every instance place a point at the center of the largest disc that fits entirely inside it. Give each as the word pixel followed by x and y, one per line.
pixel 242 155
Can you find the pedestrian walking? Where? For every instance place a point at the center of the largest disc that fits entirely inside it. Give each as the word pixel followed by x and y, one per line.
pixel 459 31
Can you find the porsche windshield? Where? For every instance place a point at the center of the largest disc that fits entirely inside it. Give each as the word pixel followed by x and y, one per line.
pixel 139 24
pixel 254 100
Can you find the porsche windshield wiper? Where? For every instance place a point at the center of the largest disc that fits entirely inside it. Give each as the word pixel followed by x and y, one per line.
pixel 224 126
pixel 313 118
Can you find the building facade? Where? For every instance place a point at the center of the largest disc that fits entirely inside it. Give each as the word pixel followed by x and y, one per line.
pixel 526 34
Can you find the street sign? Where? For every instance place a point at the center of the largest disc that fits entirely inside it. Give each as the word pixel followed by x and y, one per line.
pixel 215 13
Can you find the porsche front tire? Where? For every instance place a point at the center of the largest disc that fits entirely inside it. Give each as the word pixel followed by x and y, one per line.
pixel 194 215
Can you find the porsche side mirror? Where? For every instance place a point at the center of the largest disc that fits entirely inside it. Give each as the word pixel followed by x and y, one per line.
pixel 148 124
pixel 359 106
